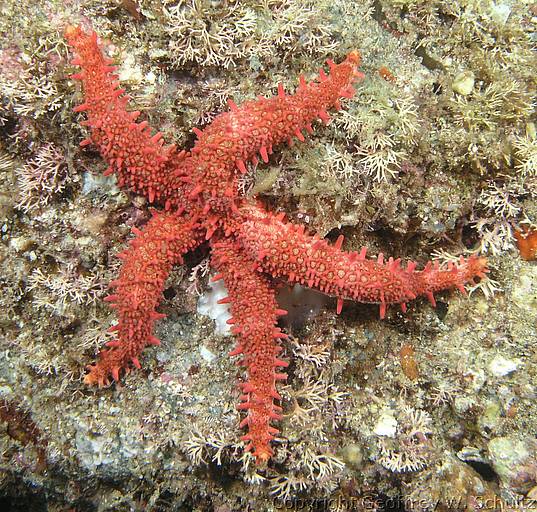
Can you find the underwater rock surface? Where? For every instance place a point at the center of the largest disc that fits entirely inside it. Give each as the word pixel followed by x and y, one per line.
pixel 434 157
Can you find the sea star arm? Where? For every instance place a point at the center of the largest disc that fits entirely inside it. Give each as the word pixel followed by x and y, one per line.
pixel 139 159
pixel 238 136
pixel 284 249
pixel 255 312
pixel 146 264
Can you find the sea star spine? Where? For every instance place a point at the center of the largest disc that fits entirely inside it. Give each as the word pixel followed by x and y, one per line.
pixel 255 311
pixel 285 250
pixel 146 264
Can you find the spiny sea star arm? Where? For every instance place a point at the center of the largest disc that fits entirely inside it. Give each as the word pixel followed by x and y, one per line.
pixel 284 249
pixel 146 265
pixel 139 159
pixel 237 136
pixel 255 311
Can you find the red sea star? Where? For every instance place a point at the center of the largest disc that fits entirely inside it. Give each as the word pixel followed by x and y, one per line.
pixel 198 189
